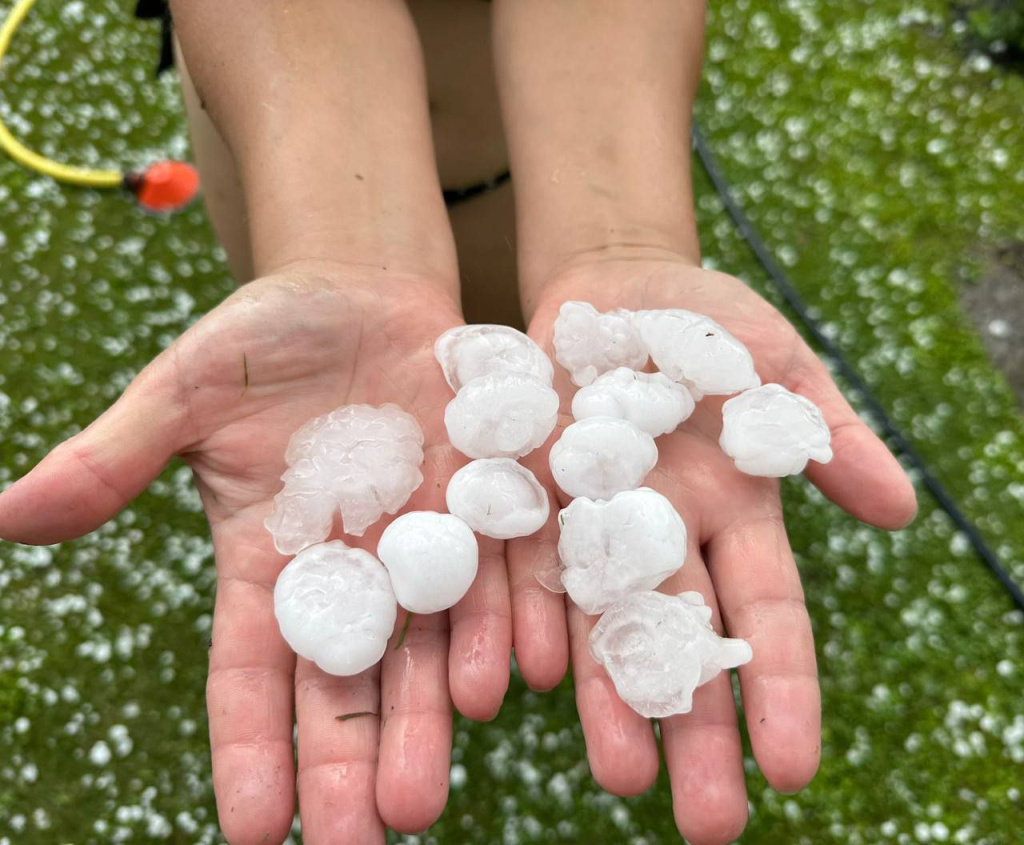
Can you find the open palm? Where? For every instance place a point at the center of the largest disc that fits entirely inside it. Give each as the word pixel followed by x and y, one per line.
pixel 739 559
pixel 227 396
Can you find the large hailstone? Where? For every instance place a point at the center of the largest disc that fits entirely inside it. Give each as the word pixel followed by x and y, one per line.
pixel 628 544
pixel 504 416
pixel 335 607
pixel 469 352
pixel 360 459
pixel 695 350
pixel 658 649
pixel 651 401
pixel 601 456
pixel 498 497
pixel 432 559
pixel 770 431
pixel 589 343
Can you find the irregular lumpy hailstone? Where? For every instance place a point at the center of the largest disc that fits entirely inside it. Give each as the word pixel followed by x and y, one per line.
pixel 696 351
pixel 432 559
pixel 651 401
pixel 335 606
pixel 601 456
pixel 359 459
pixel 499 498
pixel 625 545
pixel 658 649
pixel 469 352
pixel 771 431
pixel 502 416
pixel 589 343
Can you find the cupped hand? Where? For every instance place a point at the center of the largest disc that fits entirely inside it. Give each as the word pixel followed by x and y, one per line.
pixel 739 558
pixel 227 396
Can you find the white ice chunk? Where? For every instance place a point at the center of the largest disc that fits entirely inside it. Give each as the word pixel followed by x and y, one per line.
pixel 335 607
pixel 361 459
pixel 588 343
pixel 469 352
pixel 498 497
pixel 503 416
pixel 651 401
pixel 628 544
pixel 658 649
pixel 300 519
pixel 432 559
pixel 601 456
pixel 770 431
pixel 695 350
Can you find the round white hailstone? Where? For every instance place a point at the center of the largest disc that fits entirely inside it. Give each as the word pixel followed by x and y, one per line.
pixel 651 401
pixel 627 544
pixel 469 352
pixel 601 456
pixel 432 559
pixel 695 350
pixel 360 459
pixel 499 498
pixel 589 343
pixel 772 432
pixel 658 649
pixel 336 607
pixel 501 416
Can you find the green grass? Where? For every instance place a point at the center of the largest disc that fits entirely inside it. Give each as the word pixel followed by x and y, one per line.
pixel 879 162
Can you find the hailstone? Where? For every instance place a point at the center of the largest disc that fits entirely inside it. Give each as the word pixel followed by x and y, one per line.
pixel 601 456
pixel 658 649
pixel 498 497
pixel 770 431
pixel 335 607
pixel 651 401
pixel 360 459
pixel 628 544
pixel 469 352
pixel 504 416
pixel 695 350
pixel 432 559
pixel 589 343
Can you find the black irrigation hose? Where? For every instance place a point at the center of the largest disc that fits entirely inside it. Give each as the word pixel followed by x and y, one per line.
pixel 897 438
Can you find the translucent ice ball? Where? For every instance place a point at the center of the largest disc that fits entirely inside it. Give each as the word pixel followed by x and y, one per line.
pixel 335 607
pixel 432 559
pixel 498 497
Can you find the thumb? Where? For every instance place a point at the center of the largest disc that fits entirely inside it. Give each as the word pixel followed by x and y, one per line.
pixel 91 477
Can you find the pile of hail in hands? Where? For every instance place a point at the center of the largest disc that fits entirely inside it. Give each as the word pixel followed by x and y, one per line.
pixel 619 540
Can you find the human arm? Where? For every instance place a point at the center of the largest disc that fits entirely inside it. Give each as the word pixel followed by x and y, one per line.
pixel 356 281
pixel 597 99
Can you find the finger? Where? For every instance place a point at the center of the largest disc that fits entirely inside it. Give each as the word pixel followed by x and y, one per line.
pixel 539 630
pixel 338 731
pixel 759 592
pixel 703 752
pixel 481 638
pixel 249 694
pixel 91 477
pixel 863 477
pixel 416 725
pixel 620 743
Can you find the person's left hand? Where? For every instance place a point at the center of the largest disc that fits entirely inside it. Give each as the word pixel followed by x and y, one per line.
pixel 739 558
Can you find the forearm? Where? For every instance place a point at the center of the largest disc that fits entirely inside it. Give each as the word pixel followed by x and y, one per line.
pixel 597 98
pixel 323 104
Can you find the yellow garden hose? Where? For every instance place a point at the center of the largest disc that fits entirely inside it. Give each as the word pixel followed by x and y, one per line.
pixel 161 187
pixel 23 155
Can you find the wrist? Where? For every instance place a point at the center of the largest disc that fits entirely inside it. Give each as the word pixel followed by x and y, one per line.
pixel 374 277
pixel 577 274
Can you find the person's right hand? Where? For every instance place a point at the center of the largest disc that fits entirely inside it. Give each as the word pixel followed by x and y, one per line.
pixel 227 396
